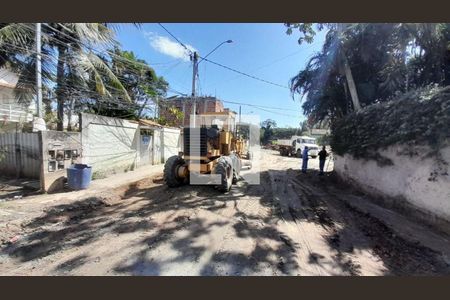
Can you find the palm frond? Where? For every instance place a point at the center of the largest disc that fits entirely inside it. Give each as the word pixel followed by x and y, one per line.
pixel 17 34
pixel 93 64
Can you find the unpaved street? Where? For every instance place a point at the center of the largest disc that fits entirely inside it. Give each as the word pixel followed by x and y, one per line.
pixel 290 224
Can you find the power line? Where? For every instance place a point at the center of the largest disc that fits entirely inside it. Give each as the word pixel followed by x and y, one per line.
pixel 86 92
pixel 69 62
pixel 265 65
pixel 119 57
pixel 221 65
pixel 245 74
pixel 184 46
pixel 172 90
pixel 254 105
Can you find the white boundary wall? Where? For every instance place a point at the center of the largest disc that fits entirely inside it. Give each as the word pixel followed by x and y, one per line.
pixel 109 144
pixel 409 180
pixel 171 142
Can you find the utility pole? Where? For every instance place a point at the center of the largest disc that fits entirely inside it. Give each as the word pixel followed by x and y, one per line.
pixel 239 119
pixel 239 114
pixel 348 72
pixel 38 70
pixel 194 58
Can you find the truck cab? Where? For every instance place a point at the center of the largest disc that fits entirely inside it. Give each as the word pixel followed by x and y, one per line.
pixel 299 143
pixel 296 145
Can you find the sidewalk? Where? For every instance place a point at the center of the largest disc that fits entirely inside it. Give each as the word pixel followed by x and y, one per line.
pixel 17 210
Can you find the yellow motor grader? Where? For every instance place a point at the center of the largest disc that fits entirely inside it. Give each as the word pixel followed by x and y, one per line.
pixel 212 147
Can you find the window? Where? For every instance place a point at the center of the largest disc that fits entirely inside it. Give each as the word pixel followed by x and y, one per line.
pixel 308 141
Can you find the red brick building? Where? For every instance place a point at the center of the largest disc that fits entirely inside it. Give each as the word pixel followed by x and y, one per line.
pixel 185 104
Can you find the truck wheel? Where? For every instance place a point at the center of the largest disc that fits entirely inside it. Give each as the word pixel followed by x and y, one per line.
pixel 171 171
pixel 224 169
pixel 299 153
pixel 313 156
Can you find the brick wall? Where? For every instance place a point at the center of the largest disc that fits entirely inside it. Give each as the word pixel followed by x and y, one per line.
pixel 209 104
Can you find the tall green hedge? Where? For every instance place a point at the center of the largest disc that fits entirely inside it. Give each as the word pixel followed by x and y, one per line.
pixel 420 117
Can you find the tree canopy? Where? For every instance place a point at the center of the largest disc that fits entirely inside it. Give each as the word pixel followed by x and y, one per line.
pixel 386 60
pixel 83 65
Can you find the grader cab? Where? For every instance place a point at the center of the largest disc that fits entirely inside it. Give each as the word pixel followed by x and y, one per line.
pixel 212 147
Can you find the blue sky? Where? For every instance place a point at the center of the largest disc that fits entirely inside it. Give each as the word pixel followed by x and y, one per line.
pixel 262 50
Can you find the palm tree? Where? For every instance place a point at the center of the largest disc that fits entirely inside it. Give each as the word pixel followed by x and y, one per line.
pixel 70 48
pixel 376 61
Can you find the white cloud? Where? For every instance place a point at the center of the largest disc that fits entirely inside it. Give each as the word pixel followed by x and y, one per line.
pixel 168 47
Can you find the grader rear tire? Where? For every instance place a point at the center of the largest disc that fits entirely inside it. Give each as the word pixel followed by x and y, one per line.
pixel 171 171
pixel 225 169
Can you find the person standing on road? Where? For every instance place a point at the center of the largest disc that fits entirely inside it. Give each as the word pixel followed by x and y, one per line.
pixel 305 159
pixel 322 157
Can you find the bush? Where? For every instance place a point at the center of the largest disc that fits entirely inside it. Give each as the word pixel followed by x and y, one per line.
pixel 419 117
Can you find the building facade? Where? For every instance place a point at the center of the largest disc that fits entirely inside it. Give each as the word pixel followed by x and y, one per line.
pixel 11 111
pixel 185 105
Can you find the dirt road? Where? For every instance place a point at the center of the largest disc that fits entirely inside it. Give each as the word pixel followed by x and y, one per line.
pixel 290 224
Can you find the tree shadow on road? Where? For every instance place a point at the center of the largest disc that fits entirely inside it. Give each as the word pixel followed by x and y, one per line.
pixel 86 222
pixel 349 230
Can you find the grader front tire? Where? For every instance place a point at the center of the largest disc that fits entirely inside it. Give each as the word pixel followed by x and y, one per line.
pixel 171 171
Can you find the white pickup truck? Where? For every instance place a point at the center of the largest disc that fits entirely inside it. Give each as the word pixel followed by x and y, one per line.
pixel 295 146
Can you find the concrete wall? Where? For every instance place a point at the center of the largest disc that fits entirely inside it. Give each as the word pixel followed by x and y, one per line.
pixel 171 142
pixel 59 151
pixel 417 185
pixel 41 155
pixel 157 148
pixel 110 145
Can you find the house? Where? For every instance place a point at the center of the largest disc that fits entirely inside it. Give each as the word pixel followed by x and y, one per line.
pixel 109 145
pixel 185 105
pixel 12 112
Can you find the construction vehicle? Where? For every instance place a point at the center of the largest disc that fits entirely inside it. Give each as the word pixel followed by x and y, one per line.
pixel 212 147
pixel 295 146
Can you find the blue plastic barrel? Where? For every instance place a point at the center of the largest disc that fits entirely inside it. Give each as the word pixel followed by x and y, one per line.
pixel 79 176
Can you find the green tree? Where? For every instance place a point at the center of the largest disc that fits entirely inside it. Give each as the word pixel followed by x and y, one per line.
pixel 385 60
pixel 139 80
pixel 267 127
pixel 67 47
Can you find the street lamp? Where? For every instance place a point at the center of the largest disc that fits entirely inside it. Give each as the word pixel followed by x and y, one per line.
pixel 225 42
pixel 194 57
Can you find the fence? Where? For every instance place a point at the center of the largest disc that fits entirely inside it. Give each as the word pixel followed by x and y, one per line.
pixel 110 145
pixel 20 155
pixel 14 113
